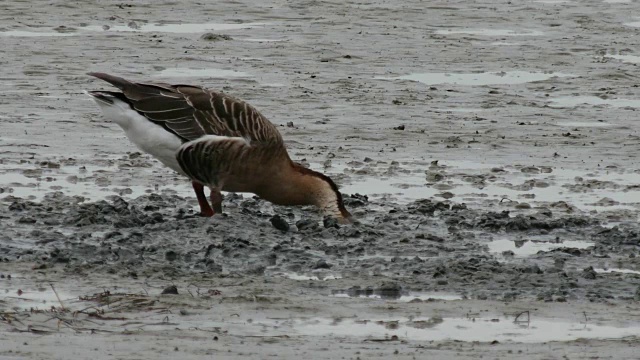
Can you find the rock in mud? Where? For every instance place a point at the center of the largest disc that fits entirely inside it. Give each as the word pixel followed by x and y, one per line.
pixel 589 273
pixel 170 290
pixel 306 224
pixel 279 223
pixel 215 37
pixel 390 289
pixel 330 222
pixel 171 255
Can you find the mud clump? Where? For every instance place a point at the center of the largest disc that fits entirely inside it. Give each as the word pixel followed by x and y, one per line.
pixel 279 223
pixel 215 37
pixel 170 290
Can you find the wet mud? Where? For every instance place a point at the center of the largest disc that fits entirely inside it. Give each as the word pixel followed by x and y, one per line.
pixel 424 245
pixel 488 155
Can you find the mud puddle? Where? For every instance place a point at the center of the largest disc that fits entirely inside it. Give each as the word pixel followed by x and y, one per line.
pixel 24 33
pixel 616 270
pixel 394 295
pixel 480 79
pixel 456 329
pixel 309 277
pixel 578 124
pixel 490 32
pixel 532 247
pixel 42 298
pixel 632 59
pixel 172 28
pixel 90 181
pixel 633 24
pixel 573 101
pixel 202 73
pixel 479 183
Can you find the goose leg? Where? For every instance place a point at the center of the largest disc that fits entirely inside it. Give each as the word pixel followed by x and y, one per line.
pixel 216 200
pixel 205 208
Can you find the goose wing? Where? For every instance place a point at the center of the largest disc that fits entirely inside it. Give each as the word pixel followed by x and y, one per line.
pixel 212 159
pixel 191 112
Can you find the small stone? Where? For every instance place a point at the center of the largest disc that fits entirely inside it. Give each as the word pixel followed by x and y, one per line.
pixel 446 195
pixel 16 206
pixel 390 289
pixel 589 273
pixel 279 223
pixel 322 264
pixel 530 170
pixel 170 290
pixel 458 207
pixel 171 255
pixel 64 29
pixel 290 124
pixel 434 176
pixel 349 231
pixel 215 37
pixel 330 222
pixel 306 224
pixel 26 220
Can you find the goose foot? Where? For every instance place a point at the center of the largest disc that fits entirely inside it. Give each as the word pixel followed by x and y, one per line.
pixel 216 201
pixel 205 208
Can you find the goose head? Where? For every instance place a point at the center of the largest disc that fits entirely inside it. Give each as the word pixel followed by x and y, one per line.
pixel 324 193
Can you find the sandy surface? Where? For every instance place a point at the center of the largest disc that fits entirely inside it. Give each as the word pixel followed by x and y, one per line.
pixel 487 149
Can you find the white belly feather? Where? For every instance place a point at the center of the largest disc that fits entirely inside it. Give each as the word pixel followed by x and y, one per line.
pixel 146 135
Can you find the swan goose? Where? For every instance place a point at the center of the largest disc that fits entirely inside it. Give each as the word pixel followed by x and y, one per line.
pixel 217 141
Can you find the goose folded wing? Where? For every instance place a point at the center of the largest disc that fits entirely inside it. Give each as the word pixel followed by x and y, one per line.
pixel 212 158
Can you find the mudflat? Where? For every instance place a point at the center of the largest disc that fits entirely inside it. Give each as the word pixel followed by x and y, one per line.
pixel 488 151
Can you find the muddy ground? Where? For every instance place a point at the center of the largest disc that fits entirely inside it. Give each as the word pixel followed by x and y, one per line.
pixel 488 151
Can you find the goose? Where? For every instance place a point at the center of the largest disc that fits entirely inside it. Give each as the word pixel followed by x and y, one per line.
pixel 217 141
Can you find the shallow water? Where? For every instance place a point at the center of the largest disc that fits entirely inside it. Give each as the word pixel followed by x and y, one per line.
pixel 41 298
pixel 457 329
pixel 491 32
pixel 202 73
pixel 478 79
pixel 572 101
pixel 554 186
pixel 411 296
pixel 174 28
pixel 616 270
pixel 573 124
pixel 303 277
pixel 93 182
pixel 532 247
pixel 633 59
pixel 24 33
